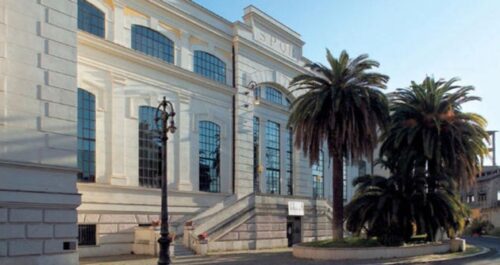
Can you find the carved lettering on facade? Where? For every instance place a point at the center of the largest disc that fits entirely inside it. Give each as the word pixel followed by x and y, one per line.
pixel 275 43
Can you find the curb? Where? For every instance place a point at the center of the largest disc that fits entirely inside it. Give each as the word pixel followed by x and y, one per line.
pixel 483 251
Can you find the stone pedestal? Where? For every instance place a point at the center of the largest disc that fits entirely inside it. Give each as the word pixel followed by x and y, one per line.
pixel 146 242
pixel 457 245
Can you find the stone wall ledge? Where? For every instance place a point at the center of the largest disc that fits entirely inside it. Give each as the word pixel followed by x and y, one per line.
pixel 302 251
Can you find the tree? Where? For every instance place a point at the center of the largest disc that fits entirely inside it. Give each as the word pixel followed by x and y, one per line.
pixel 342 105
pixel 430 132
pixel 393 209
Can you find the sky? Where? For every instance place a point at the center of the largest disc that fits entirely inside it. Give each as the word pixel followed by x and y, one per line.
pixel 410 39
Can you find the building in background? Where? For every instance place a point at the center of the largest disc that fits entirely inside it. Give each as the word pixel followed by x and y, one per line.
pixel 484 196
pixel 38 136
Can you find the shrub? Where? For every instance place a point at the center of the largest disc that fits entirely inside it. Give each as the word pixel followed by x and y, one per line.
pixel 479 227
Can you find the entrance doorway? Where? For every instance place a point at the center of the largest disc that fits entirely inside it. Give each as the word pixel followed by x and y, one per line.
pixel 293 230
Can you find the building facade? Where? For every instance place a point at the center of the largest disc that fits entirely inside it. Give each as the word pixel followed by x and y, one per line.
pixel 38 136
pixel 484 196
pixel 232 168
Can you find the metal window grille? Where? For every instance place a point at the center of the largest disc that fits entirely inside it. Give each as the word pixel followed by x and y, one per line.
pixel 209 66
pixel 86 235
pixel 256 138
pixel 318 173
pixel 90 18
pixel 150 151
pixel 152 43
pixel 209 153
pixel 289 162
pixel 86 136
pixel 273 95
pixel 273 157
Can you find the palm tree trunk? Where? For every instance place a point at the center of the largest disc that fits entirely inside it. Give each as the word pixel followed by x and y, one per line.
pixel 338 197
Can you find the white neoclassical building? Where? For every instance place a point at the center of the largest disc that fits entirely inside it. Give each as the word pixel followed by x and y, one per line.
pixel 232 168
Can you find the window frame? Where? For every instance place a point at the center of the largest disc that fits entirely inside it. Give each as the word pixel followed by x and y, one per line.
pixel 93 233
pixel 319 167
pixel 86 135
pixel 273 148
pixel 209 133
pixel 147 140
pixel 93 11
pixel 210 66
pixel 152 43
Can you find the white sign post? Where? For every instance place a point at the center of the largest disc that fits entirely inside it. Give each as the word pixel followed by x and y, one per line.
pixel 295 208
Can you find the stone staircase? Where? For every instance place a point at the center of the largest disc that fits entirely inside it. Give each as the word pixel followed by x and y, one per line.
pixel 181 251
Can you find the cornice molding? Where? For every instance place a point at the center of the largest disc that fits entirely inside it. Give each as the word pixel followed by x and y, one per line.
pixel 128 54
pixel 29 165
pixel 171 9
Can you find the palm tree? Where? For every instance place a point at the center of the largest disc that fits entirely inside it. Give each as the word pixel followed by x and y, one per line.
pixel 342 105
pixel 429 127
pixel 393 209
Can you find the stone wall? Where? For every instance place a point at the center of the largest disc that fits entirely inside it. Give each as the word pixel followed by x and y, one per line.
pixel 38 195
pixel 264 226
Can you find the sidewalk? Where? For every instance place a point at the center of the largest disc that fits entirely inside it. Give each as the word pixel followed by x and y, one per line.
pixel 283 257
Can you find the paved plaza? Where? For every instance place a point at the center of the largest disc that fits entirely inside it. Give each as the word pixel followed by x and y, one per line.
pixel 284 257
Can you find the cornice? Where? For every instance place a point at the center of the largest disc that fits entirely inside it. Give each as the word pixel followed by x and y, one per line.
pixel 29 165
pixel 294 36
pixel 126 53
pixel 271 55
pixel 171 9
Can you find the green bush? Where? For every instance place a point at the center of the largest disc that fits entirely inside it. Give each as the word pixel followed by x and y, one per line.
pixel 479 227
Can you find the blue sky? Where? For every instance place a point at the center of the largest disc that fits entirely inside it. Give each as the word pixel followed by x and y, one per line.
pixel 411 39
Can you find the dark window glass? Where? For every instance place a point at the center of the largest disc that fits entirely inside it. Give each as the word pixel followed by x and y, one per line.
pixel 90 18
pixel 362 168
pixel 344 181
pixel 256 137
pixel 273 157
pixel 86 136
pixel 152 43
pixel 86 235
pixel 289 162
pixel 209 156
pixel 318 173
pixel 273 95
pixel 149 149
pixel 209 66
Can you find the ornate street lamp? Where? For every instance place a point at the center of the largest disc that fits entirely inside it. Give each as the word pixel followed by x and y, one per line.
pixel 164 115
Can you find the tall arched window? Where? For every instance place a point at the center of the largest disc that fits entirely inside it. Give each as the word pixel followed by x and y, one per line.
pixel 90 18
pixel 318 174
pixel 86 136
pixel 152 43
pixel 209 66
pixel 273 157
pixel 289 162
pixel 149 149
pixel 209 141
pixel 256 149
pixel 272 95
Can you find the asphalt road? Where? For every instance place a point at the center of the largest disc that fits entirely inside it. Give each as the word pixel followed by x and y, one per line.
pixel 491 258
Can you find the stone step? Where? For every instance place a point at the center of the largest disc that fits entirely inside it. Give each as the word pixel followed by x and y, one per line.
pixel 182 251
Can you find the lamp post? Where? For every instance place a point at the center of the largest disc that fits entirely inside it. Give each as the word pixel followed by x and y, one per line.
pixel 164 115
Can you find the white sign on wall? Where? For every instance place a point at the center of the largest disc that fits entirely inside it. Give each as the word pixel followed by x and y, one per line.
pixel 295 208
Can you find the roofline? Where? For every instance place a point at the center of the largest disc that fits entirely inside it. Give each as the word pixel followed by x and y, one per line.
pixel 210 12
pixel 253 9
